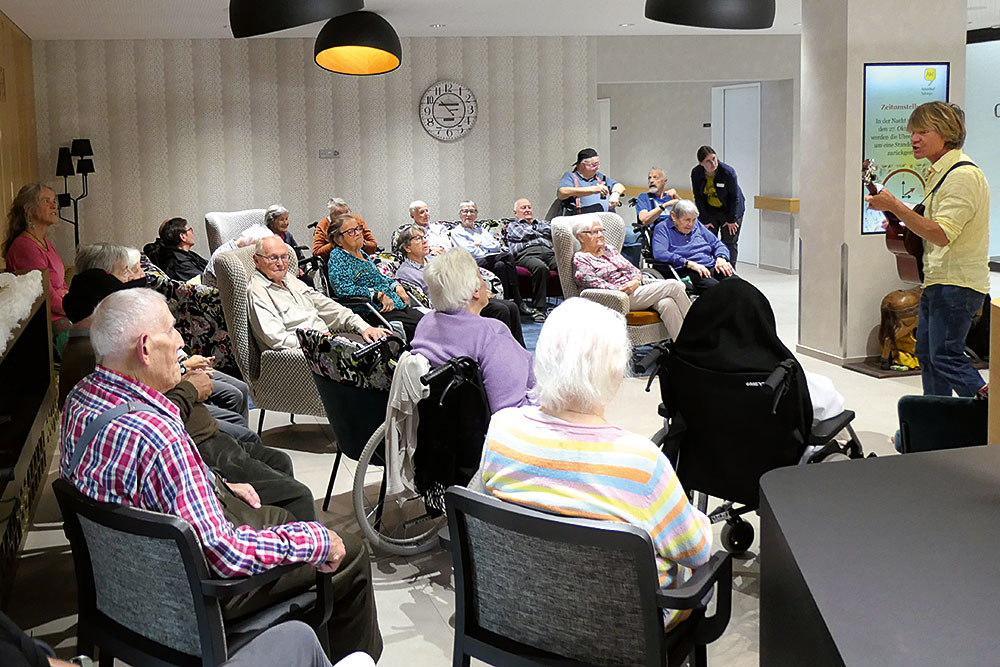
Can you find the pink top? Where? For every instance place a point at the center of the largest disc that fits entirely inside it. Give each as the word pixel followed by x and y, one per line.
pixel 25 255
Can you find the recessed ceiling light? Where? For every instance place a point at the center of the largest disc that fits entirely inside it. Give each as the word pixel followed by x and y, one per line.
pixel 437 25
pixel 797 23
pixel 625 25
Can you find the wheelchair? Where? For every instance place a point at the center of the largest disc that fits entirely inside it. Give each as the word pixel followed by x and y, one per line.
pixel 736 405
pixel 649 266
pixel 354 383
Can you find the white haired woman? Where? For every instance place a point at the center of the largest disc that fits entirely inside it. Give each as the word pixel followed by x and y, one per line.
pixel 598 266
pixel 455 329
pixel 564 457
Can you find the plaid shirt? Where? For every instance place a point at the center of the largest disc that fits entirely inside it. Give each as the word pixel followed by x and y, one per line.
pixel 147 460
pixel 609 271
pixel 522 234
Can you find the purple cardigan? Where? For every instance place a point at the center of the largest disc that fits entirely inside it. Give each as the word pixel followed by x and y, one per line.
pixel 506 366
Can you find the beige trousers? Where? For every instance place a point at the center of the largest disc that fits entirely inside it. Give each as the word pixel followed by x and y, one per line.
pixel 666 297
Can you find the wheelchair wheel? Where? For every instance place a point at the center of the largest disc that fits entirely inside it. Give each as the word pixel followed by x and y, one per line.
pixel 737 536
pixel 393 523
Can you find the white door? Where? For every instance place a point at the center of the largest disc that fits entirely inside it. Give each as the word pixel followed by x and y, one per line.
pixel 736 137
pixel 604 134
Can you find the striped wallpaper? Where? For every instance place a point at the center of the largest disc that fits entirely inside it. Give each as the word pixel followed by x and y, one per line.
pixel 182 127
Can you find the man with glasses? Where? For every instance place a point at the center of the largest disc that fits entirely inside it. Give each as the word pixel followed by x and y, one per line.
pixel 172 251
pixel 280 303
pixel 486 250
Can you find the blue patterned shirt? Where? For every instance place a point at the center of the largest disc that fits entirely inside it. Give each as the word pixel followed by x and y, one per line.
pixel 524 233
pixel 350 276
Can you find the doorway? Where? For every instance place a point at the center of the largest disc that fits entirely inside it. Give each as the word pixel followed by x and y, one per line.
pixel 736 138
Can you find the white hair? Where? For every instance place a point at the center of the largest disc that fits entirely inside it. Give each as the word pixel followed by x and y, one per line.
pixel 252 233
pixel 335 202
pixel 582 354
pixel 108 257
pixel 684 207
pixel 273 212
pixel 414 205
pixel 258 245
pixel 451 280
pixel 121 317
pixel 583 223
pixel 467 203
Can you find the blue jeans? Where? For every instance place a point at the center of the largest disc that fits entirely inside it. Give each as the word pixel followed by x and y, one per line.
pixel 946 313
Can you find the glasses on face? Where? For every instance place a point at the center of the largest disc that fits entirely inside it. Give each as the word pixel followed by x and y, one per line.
pixel 593 231
pixel 273 259
pixel 353 231
pixel 591 163
pixel 464 211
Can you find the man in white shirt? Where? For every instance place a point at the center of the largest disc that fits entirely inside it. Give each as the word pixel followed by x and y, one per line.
pixel 280 303
pixel 438 237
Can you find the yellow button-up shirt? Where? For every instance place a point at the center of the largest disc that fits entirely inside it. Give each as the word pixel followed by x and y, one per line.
pixel 961 206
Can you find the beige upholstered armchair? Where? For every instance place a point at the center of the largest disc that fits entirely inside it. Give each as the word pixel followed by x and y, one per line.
pixel 221 226
pixel 644 326
pixel 278 379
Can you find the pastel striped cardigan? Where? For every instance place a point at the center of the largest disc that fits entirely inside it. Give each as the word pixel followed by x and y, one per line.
pixel 597 472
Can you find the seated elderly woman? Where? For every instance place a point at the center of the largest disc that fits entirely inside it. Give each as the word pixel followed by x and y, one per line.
pixel 599 266
pixel 564 457
pixel 411 245
pixel 455 329
pixel 690 248
pixel 352 273
pixel 171 251
pixel 276 219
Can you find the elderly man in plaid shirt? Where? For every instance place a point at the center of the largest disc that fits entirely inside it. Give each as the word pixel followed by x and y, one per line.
pixel 144 458
pixel 530 242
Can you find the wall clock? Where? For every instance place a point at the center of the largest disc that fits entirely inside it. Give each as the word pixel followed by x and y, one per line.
pixel 448 110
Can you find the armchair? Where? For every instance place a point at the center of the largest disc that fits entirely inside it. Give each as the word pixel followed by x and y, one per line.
pixel 278 379
pixel 644 326
pixel 532 588
pixel 146 595
pixel 220 226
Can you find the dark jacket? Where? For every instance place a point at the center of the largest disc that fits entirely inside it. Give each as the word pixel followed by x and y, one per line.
pixel 728 190
pixel 179 264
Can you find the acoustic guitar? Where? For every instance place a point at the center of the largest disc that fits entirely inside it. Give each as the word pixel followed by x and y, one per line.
pixel 900 241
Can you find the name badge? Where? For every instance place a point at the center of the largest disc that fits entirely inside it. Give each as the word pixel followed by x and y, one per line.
pixel 720 185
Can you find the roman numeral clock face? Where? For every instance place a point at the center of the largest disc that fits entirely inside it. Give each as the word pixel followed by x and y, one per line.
pixel 448 110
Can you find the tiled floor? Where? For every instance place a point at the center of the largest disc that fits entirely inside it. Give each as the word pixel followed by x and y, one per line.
pixel 414 595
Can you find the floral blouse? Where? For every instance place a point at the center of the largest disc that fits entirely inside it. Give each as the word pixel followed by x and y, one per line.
pixel 350 276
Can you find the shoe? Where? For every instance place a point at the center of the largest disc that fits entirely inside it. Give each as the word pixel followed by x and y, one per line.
pixel 538 316
pixel 525 309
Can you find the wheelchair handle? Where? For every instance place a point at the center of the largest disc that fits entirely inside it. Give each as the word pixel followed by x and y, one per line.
pixel 447 367
pixel 363 352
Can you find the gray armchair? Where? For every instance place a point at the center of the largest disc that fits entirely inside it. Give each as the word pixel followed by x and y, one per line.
pixel 278 379
pixel 146 595
pixel 221 226
pixel 644 326
pixel 532 588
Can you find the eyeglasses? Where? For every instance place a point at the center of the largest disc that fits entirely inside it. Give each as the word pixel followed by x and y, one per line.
pixel 593 231
pixel 591 163
pixel 468 210
pixel 272 259
pixel 353 231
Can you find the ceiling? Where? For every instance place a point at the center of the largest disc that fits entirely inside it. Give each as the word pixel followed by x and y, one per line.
pixel 207 19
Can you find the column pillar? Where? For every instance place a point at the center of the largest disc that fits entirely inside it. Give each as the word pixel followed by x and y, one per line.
pixel 843 275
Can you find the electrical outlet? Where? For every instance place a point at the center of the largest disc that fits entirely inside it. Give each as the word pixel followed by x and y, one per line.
pixel 328 153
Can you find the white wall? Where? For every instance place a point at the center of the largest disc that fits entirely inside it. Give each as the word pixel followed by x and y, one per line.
pixel 182 127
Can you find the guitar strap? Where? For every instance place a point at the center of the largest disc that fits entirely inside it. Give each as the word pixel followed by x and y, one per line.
pixel 920 208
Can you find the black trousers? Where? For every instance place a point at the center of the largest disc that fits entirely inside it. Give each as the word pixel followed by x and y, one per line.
pixel 503 265
pixel 700 283
pixel 713 219
pixel 408 317
pixel 539 260
pixel 268 470
pixel 353 624
pixel 506 311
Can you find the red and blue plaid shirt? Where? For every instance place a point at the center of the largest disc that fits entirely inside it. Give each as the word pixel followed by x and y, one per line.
pixel 147 460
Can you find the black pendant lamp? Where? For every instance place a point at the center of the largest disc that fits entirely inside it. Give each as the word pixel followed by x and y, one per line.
pixel 249 18
pixel 727 14
pixel 359 43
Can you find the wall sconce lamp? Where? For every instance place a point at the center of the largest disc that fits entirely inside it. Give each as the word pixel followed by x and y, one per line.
pixel 82 150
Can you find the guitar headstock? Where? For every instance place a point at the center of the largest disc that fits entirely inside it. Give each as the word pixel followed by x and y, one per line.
pixel 868 171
